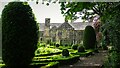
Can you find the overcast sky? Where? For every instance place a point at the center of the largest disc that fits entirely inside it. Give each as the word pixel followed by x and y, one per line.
pixel 43 11
pixel 52 11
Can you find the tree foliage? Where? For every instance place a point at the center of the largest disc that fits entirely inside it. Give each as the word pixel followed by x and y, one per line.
pixel 111 28
pixel 71 9
pixel 19 34
pixel 109 13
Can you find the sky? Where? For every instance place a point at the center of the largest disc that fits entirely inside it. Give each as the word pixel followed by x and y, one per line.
pixel 52 11
pixel 42 11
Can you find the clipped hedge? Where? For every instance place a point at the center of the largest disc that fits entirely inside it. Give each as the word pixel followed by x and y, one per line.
pixel 67 60
pixel 81 49
pixel 85 53
pixel 57 45
pixel 58 58
pixel 75 46
pixel 19 34
pixel 89 40
pixel 65 52
pixel 51 65
pixel 56 53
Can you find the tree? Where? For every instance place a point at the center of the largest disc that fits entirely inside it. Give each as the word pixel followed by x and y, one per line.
pixel 19 34
pixel 71 9
pixel 109 13
pixel 89 40
pixel 74 10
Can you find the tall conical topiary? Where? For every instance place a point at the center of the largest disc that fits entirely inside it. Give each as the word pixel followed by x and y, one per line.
pixel 89 40
pixel 19 34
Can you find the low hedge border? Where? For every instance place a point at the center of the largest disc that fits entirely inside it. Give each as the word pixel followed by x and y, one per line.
pixel 48 54
pixel 62 61
pixel 86 53
pixel 45 65
pixel 69 60
pixel 32 65
pixel 51 65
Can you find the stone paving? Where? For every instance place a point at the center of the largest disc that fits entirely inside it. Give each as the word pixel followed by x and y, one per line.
pixel 93 61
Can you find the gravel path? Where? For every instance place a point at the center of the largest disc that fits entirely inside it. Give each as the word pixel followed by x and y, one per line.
pixel 94 61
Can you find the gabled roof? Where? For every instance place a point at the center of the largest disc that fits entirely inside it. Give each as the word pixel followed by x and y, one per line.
pixel 55 24
pixel 65 25
pixel 75 25
pixel 53 28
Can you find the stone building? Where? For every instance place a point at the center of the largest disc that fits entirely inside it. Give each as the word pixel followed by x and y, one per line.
pixel 62 33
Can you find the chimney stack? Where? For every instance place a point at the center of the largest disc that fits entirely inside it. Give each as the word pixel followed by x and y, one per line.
pixel 47 22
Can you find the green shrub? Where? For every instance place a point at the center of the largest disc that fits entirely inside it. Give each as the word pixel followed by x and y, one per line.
pixel 113 60
pixel 104 45
pixel 19 34
pixel 75 46
pixel 57 45
pixel 104 48
pixel 52 44
pixel 65 52
pixel 81 49
pixel 42 45
pixel 66 45
pixel 37 51
pixel 89 39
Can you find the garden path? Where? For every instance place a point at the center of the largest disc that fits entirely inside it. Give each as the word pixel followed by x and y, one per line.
pixel 93 61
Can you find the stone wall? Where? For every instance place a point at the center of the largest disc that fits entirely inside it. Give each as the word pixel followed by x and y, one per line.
pixel 64 34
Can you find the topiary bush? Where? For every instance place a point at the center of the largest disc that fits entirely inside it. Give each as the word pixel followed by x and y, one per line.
pixel 57 45
pixel 19 34
pixel 81 49
pixel 65 52
pixel 75 46
pixel 89 40
pixel 66 45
